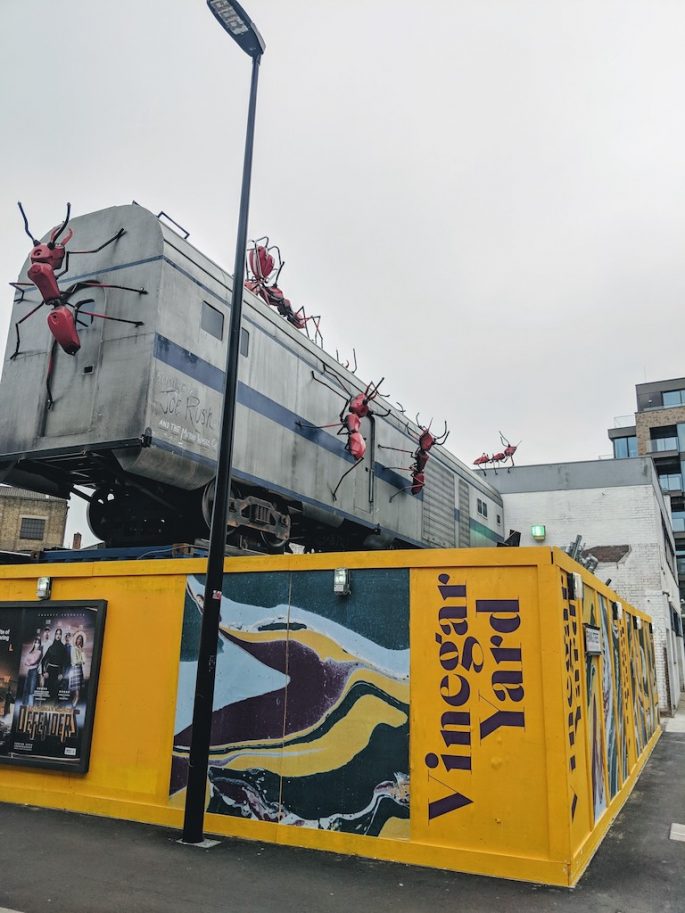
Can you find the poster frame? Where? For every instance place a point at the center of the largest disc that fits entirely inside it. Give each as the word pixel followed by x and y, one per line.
pixel 82 763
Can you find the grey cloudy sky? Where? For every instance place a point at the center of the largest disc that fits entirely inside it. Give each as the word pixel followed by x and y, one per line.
pixel 486 198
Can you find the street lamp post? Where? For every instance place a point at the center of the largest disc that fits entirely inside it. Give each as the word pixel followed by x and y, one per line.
pixel 237 23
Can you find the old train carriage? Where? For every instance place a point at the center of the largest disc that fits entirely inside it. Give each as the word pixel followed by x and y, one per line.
pixel 131 420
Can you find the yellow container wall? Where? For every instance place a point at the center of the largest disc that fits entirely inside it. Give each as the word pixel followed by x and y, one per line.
pixel 444 714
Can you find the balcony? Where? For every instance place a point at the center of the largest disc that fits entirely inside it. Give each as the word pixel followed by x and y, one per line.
pixel 671 482
pixel 665 445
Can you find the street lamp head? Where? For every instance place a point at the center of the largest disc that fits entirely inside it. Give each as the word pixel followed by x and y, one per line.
pixel 239 26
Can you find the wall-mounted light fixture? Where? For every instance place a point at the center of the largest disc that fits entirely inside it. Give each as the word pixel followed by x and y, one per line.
pixel 577 586
pixel 43 587
pixel 341 581
pixel 617 611
pixel 538 532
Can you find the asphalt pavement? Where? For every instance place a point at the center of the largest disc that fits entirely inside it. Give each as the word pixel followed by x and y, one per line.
pixel 67 863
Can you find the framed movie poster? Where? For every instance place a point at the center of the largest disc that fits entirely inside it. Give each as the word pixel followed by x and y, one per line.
pixel 49 665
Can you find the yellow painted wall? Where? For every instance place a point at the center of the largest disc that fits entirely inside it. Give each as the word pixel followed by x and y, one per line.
pixel 501 737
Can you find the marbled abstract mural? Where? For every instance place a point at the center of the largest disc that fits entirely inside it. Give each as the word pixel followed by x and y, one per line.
pixel 595 707
pixel 310 725
pixel 610 691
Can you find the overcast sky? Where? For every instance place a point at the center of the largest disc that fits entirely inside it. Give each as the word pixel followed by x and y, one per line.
pixel 486 198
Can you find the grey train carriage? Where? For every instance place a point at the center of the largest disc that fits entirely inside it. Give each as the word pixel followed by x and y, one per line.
pixel 135 413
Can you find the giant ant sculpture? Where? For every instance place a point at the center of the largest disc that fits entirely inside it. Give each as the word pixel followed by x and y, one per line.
pixel 357 406
pixel 498 458
pixel 64 317
pixel 425 443
pixel 262 262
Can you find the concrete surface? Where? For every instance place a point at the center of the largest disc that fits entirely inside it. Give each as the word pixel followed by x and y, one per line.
pixel 68 863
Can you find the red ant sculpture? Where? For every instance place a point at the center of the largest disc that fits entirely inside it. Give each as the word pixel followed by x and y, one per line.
pixel 426 441
pixel 64 316
pixel 261 265
pixel 357 406
pixel 45 259
pixel 500 457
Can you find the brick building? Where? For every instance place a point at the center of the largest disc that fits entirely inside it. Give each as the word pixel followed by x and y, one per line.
pixel 29 521
pixel 620 511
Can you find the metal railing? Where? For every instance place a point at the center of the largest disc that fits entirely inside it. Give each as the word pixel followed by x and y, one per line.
pixel 664 443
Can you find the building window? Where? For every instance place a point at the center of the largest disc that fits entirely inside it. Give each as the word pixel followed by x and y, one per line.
pixel 678 523
pixel 674 398
pixel 32 528
pixel 212 320
pixel 664 438
pixel 482 507
pixel 625 447
pixel 499 520
pixel 244 341
pixel 680 562
pixel 671 481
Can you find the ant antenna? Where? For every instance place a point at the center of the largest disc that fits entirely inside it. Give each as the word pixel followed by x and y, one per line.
pixel 64 224
pixel 26 225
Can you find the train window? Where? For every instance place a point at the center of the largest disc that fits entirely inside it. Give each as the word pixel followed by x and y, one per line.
pixel 482 507
pixel 212 320
pixel 244 342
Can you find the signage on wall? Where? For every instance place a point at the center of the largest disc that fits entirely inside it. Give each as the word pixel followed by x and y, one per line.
pixel 49 664
pixel 593 643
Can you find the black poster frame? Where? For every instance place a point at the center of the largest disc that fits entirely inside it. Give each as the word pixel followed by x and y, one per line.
pixel 81 763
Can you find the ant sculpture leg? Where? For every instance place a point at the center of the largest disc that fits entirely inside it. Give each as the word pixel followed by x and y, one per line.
pixel 95 250
pixel 16 328
pixel 346 394
pixel 341 422
pixel 51 364
pixel 78 311
pixel 94 283
pixel 400 491
pixel 396 449
pixel 346 473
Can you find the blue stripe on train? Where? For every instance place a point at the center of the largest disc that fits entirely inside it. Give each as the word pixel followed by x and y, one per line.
pixel 205 373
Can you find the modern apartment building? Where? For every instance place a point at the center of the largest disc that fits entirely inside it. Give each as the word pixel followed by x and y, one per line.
pixel 657 430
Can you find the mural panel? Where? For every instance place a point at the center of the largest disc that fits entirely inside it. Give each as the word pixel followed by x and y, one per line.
pixel 595 707
pixel 619 687
pixel 310 723
pixel 580 812
pixel 610 690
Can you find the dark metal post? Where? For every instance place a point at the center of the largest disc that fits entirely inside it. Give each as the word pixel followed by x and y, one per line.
pixel 193 822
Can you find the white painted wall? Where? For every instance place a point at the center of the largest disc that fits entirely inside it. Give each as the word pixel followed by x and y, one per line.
pixel 618 515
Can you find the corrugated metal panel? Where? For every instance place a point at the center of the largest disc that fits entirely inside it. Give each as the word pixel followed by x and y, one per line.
pixel 438 505
pixel 464 514
pixel 9 491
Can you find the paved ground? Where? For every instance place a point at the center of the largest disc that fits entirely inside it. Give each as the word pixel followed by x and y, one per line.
pixel 66 863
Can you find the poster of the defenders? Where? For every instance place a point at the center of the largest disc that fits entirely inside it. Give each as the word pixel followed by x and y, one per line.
pixel 49 664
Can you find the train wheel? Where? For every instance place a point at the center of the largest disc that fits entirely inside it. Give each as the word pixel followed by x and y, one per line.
pixel 208 506
pixel 272 542
pixel 103 513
